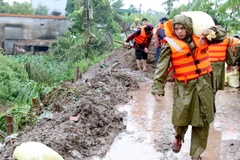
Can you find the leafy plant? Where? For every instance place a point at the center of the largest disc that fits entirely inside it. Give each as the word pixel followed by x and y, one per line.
pixel 12 78
pixel 18 113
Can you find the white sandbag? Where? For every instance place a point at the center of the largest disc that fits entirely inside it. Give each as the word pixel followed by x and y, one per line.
pixel 35 151
pixel 201 21
pixel 233 77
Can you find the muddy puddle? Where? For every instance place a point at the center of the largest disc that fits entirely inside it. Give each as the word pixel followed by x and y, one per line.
pixel 149 130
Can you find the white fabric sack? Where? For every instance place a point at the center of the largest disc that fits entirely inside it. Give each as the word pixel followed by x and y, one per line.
pixel 233 77
pixel 35 151
pixel 201 21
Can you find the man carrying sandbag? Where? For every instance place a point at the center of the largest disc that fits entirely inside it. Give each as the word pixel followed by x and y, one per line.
pixel 192 91
pixel 227 51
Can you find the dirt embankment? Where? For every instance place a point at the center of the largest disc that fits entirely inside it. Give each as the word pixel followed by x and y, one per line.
pixel 85 120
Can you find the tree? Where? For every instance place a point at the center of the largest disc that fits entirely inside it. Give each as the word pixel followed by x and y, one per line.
pixel 41 10
pixel 70 7
pixel 132 7
pixel 104 14
pixel 234 5
pixel 16 8
pixel 169 6
pixel 178 10
pixel 116 3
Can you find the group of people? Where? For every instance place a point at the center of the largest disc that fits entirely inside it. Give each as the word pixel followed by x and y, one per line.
pixel 141 39
pixel 199 68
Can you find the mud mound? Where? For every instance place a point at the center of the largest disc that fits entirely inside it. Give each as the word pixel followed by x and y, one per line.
pixel 123 60
pixel 85 120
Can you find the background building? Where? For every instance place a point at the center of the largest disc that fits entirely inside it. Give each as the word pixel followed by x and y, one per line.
pixel 30 31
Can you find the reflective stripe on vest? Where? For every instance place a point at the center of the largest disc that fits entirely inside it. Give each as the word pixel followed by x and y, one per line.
pixel 142 37
pixel 217 52
pixel 187 65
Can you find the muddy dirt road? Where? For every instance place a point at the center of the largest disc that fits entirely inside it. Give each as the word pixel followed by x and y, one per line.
pixel 149 131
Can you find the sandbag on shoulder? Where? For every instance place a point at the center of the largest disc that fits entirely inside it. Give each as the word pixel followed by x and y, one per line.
pixel 200 20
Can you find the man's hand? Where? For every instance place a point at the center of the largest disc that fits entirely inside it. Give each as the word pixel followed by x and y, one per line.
pixel 145 50
pixel 127 44
pixel 206 32
pixel 158 97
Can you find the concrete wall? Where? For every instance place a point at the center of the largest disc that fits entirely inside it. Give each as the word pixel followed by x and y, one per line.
pixel 53 5
pixel 17 27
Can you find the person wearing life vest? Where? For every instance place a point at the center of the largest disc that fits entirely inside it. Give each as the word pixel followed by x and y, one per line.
pixel 142 39
pixel 192 90
pixel 159 35
pixel 219 54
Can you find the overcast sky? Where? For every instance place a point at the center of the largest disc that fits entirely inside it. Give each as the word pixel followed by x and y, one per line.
pixel 11 1
pixel 146 4
pixel 153 4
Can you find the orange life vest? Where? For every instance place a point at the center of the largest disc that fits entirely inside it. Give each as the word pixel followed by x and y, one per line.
pixel 159 42
pixel 142 38
pixel 217 52
pixel 187 65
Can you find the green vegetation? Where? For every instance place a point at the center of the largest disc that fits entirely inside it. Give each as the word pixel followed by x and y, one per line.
pixel 41 10
pixel 13 77
pixel 16 8
pixel 27 77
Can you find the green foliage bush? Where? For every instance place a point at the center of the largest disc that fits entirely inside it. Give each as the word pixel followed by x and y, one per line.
pixel 44 69
pixel 12 78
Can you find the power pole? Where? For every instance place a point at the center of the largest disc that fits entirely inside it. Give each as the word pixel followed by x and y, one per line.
pixel 86 25
pixel 86 19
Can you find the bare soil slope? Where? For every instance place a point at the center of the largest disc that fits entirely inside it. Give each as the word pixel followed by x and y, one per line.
pixel 91 101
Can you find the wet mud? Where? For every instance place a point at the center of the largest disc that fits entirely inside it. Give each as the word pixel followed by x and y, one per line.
pixel 149 131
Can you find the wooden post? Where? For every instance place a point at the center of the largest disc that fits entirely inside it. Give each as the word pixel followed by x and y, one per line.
pixel 77 73
pixel 9 124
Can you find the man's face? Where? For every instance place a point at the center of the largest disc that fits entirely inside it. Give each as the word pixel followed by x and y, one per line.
pixel 180 31
pixel 144 23
pixel 136 22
